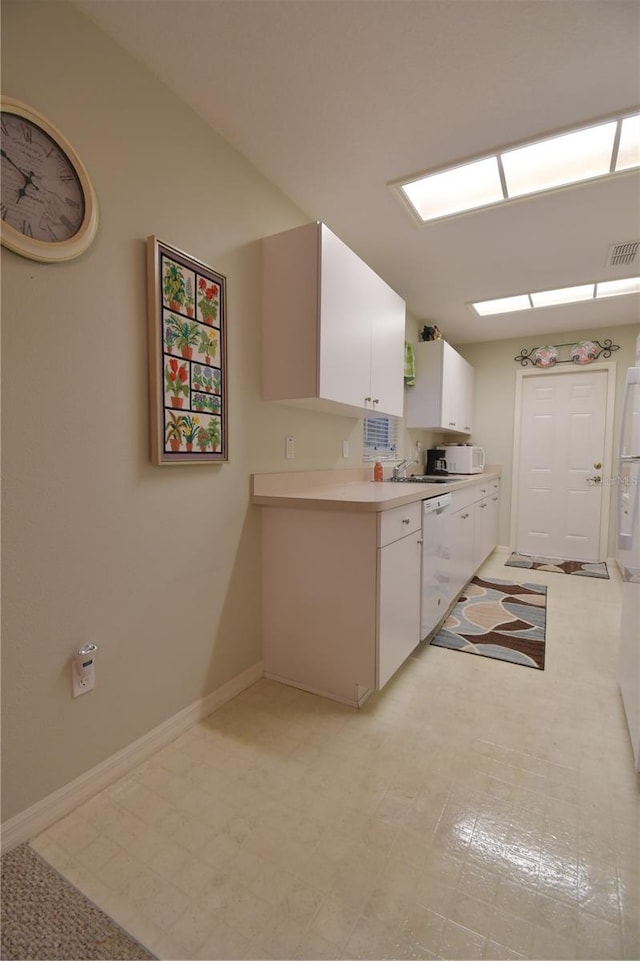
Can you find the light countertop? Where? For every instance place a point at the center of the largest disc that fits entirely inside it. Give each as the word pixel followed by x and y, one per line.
pixel 349 490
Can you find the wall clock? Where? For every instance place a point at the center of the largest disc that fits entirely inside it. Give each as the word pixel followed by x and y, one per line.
pixel 47 202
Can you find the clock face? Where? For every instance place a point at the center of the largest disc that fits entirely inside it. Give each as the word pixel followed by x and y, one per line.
pixel 47 204
pixel 41 193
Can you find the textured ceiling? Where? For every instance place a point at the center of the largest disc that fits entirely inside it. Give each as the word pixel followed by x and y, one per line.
pixel 334 99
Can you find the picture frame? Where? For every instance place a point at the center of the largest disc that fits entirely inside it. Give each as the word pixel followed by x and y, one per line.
pixel 187 358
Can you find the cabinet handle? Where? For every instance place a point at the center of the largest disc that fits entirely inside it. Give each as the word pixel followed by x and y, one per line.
pixel 452 423
pixel 376 400
pixel 405 520
pixel 464 517
pixel 367 400
pixel 483 505
pixel 420 541
pixel 494 498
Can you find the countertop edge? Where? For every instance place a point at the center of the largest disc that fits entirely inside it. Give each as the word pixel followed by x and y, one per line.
pixel 363 495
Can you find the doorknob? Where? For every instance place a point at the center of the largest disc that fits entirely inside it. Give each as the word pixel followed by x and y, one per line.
pixel 595 479
pixel 597 465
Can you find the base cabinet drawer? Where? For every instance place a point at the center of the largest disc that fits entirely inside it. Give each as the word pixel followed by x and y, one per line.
pixel 398 522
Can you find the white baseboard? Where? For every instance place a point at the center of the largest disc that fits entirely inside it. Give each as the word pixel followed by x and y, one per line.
pixel 50 809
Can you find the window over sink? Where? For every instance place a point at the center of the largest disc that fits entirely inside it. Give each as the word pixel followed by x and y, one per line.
pixel 380 438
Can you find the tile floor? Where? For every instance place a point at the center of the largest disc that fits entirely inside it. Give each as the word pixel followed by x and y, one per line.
pixel 473 809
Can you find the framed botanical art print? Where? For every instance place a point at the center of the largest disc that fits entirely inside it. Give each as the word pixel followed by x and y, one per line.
pixel 187 358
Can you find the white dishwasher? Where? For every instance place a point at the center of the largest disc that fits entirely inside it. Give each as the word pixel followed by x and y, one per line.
pixel 436 561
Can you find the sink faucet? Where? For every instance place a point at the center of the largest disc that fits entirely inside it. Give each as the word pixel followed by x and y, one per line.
pixel 402 467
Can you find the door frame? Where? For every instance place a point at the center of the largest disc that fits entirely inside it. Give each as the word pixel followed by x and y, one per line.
pixel 607 463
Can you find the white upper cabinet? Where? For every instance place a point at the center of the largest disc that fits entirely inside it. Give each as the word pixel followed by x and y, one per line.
pixel 332 330
pixel 443 394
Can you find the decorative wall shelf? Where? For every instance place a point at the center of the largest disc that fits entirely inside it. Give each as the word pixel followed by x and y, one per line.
pixel 580 353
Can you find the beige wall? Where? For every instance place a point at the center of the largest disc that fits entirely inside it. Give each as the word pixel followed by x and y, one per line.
pixel 158 566
pixel 495 387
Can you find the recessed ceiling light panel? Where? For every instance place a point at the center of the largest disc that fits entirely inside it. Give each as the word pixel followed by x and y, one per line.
pixel 565 295
pixel 589 153
pixel 559 161
pixel 629 148
pixel 462 188
pixel 504 305
pixel 614 288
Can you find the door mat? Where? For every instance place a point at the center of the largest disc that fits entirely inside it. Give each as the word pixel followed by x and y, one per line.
pixel 536 562
pixel 45 917
pixel 498 619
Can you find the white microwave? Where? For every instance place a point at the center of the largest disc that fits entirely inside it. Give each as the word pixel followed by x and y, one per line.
pixel 463 458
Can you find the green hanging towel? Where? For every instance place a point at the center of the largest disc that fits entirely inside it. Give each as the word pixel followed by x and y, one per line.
pixel 409 365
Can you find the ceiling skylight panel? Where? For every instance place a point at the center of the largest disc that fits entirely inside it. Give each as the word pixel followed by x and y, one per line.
pixel 452 191
pixel 629 148
pixel 565 295
pixel 558 161
pixel 614 288
pixel 503 305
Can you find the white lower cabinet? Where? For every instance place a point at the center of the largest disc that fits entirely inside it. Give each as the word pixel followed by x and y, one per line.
pixel 461 541
pixel 473 532
pixel 398 591
pixel 341 589
pixel 486 523
pixel 341 597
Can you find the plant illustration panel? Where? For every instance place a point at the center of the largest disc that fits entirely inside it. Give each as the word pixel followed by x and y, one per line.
pixel 187 353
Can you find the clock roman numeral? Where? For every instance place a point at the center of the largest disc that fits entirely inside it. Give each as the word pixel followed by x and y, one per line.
pixel 50 232
pixel 4 127
pixel 27 132
pixel 4 210
pixel 66 177
pixel 26 228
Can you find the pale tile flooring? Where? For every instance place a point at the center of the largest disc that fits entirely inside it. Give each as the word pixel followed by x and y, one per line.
pixel 473 809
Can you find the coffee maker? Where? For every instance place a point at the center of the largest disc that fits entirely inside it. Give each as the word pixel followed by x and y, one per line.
pixel 436 462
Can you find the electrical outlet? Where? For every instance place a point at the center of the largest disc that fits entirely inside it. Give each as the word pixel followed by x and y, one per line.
pixel 82 680
pixel 290 447
pixel 345 448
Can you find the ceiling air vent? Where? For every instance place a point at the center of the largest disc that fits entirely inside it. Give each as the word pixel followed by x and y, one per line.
pixel 622 255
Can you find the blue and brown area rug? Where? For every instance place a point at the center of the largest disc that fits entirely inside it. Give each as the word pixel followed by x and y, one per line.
pixel 535 562
pixel 499 619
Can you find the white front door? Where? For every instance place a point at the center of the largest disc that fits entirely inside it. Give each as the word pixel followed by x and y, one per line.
pixel 559 464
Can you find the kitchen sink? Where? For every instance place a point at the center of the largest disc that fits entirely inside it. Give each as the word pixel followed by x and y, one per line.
pixel 423 479
pixel 420 479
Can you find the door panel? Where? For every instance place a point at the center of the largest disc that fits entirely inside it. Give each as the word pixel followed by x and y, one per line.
pixel 562 437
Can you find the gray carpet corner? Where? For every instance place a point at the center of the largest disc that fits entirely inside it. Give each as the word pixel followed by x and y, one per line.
pixel 46 918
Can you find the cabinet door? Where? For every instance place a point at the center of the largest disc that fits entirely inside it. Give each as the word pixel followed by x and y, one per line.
pixel 466 400
pixel 451 385
pixel 398 604
pixel 492 523
pixel 443 394
pixel 387 350
pixel 461 526
pixel 346 284
pixel 457 391
pixel 480 526
pixel 485 525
